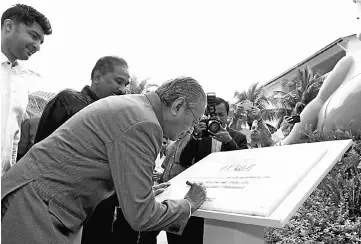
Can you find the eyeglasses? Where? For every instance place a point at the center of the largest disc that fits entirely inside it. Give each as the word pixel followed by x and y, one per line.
pixel 196 121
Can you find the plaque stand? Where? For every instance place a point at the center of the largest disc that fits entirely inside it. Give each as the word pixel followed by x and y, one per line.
pixel 224 227
pixel 218 231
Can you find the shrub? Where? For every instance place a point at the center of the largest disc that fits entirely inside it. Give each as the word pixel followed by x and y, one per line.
pixel 332 213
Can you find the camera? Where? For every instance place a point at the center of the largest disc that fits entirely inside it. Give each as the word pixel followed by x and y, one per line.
pixel 212 122
pixel 294 119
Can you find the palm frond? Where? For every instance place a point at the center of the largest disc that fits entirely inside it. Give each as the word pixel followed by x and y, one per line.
pixel 137 86
pixel 255 94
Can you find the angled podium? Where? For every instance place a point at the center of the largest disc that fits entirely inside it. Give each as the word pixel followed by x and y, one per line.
pixel 249 190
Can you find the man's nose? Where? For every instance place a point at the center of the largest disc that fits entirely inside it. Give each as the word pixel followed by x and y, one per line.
pixel 121 90
pixel 36 45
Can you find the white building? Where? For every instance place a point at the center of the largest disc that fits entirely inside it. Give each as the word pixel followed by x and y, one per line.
pixel 322 61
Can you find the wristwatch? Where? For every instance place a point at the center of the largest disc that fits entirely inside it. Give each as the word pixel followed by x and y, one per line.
pixel 197 136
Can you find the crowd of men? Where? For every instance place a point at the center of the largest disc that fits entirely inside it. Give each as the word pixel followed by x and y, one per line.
pixel 89 177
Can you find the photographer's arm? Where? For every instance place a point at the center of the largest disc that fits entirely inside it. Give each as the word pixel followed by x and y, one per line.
pixel 230 146
pixel 238 142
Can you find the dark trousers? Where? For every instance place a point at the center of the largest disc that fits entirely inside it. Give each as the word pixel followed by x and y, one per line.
pixel 192 233
pixel 101 229
pixel 148 237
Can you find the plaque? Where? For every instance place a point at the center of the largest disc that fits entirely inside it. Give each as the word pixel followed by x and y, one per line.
pixel 250 182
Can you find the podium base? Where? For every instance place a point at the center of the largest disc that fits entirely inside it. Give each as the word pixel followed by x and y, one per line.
pixel 218 231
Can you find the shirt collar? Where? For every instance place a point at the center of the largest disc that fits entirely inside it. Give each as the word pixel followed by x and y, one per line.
pixel 89 94
pixel 5 59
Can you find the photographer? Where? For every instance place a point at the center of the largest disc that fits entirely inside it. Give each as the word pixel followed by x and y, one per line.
pixel 202 143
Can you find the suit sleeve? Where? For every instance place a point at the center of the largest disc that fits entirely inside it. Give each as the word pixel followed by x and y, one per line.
pixel 54 115
pixel 131 159
pixel 239 142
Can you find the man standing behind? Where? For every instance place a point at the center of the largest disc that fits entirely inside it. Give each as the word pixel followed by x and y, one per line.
pixel 199 147
pixel 22 32
pixel 109 76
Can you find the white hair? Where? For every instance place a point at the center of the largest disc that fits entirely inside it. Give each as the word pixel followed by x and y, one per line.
pixel 185 87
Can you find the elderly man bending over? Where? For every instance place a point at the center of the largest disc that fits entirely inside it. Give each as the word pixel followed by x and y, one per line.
pixel 111 145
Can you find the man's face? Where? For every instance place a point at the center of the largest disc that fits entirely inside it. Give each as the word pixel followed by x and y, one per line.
pixel 221 113
pixel 255 133
pixel 181 119
pixel 113 82
pixel 22 40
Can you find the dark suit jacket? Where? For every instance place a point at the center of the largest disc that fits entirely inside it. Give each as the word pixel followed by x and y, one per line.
pixel 27 136
pixel 61 108
pixel 199 149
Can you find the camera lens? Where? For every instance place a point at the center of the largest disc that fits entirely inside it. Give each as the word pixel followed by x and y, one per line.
pixel 214 126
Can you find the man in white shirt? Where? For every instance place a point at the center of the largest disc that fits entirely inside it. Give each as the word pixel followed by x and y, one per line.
pixel 22 32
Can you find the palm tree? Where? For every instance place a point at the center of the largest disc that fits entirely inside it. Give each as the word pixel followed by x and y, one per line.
pixel 299 88
pixel 137 86
pixel 313 89
pixel 255 94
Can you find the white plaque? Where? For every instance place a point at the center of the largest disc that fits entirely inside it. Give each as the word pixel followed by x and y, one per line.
pixel 250 182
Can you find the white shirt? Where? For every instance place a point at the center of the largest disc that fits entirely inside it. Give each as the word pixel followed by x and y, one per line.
pixel 14 100
pixel 158 163
pixel 217 145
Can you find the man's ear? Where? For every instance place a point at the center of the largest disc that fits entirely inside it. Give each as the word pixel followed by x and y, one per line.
pixel 177 105
pixel 96 77
pixel 9 25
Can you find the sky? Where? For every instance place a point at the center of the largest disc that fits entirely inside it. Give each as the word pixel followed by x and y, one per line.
pixel 225 45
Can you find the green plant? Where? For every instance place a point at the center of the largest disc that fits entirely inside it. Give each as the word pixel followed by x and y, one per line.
pixel 298 88
pixel 332 213
pixel 313 90
pixel 303 88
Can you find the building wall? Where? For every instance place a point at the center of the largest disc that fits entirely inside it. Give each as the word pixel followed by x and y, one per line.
pixel 322 63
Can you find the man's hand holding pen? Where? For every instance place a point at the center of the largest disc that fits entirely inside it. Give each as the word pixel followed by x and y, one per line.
pixel 196 195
